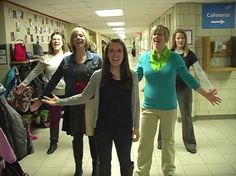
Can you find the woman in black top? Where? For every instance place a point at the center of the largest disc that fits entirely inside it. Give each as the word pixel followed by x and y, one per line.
pixel 184 93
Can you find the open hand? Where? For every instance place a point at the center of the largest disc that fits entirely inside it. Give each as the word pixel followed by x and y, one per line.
pixel 20 89
pixel 51 101
pixel 211 96
pixel 36 104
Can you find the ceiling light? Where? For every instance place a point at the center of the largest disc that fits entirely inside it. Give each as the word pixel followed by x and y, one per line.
pixel 115 23
pixel 120 32
pixel 118 29
pixel 122 36
pixel 106 13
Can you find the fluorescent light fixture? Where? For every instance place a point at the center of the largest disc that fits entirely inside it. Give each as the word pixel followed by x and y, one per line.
pixel 122 36
pixel 120 32
pixel 118 29
pixel 106 13
pixel 115 23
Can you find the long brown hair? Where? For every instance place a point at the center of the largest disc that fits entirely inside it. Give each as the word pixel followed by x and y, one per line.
pixel 125 72
pixel 185 47
pixel 64 45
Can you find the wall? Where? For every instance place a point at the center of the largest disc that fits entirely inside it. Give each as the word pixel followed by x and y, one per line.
pixel 31 26
pixel 3 67
pixel 189 16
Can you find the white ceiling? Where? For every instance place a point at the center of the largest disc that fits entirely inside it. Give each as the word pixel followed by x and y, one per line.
pixel 138 14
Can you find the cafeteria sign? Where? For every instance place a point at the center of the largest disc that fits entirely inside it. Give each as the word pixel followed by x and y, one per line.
pixel 218 15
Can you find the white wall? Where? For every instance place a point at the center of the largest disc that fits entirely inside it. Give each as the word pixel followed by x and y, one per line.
pixel 189 16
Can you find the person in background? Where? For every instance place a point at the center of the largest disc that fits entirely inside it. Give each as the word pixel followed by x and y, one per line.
pixel 104 45
pixel 48 64
pixel 76 69
pixel 116 107
pixel 184 93
pixel 160 67
pixel 133 51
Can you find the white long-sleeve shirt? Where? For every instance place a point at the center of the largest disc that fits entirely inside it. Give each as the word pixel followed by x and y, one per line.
pixel 48 64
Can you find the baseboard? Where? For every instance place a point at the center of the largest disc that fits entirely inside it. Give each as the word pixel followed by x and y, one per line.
pixel 213 117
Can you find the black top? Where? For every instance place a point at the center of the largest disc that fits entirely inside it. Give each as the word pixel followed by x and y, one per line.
pixel 115 107
pixel 189 60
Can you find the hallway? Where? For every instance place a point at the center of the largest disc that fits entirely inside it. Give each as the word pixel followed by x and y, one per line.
pixel 216 154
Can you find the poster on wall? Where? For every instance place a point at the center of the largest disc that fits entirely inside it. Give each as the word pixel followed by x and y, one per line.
pixel 220 15
pixel 3 55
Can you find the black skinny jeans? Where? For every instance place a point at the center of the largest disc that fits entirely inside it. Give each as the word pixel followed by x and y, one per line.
pixel 123 143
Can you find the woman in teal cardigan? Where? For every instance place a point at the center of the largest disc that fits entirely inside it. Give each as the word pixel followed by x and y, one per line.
pixel 160 67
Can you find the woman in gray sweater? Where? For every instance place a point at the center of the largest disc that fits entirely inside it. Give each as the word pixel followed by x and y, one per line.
pixel 116 107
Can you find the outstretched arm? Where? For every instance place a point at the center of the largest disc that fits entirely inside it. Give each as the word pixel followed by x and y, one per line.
pixel 202 76
pixel 81 98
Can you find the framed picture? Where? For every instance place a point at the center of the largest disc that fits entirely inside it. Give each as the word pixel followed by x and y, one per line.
pixel 3 55
pixel 189 34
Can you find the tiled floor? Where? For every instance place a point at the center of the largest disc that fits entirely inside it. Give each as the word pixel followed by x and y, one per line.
pixel 216 154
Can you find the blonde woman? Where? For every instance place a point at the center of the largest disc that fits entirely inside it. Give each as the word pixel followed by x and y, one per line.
pixel 160 67
pixel 76 69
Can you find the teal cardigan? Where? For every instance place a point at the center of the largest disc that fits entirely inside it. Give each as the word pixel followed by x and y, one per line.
pixel 160 86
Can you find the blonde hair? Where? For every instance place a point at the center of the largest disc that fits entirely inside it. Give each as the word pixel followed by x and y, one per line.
pixel 185 47
pixel 74 33
pixel 161 28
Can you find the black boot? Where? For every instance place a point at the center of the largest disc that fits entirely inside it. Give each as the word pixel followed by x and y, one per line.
pixel 78 155
pixel 94 155
pixel 54 134
pixel 127 171
pixel 95 171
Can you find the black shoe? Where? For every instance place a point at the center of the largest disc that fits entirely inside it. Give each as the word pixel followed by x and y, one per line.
pixel 52 148
pixel 191 150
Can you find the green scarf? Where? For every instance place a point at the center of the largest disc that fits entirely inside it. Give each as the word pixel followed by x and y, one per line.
pixel 156 63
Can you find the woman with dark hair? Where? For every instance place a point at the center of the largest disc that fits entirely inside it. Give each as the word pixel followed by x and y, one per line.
pixel 48 64
pixel 116 107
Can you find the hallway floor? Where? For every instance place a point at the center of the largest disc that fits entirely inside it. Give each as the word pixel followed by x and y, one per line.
pixel 216 155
